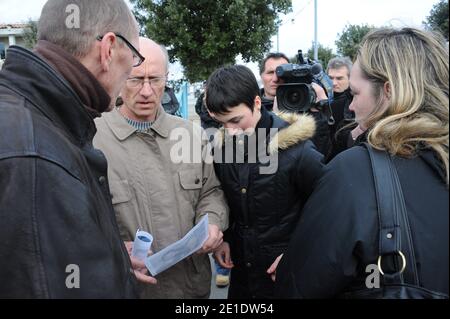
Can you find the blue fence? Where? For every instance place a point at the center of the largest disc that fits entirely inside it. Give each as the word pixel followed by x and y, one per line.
pixel 182 96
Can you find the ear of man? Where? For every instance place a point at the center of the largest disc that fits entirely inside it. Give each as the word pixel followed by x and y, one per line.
pixel 107 50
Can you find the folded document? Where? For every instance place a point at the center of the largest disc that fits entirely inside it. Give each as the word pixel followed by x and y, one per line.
pixel 179 250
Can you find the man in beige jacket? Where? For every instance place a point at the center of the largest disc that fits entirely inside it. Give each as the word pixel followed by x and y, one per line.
pixel 151 188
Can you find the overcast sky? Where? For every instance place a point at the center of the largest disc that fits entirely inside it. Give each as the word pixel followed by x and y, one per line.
pixel 334 15
pixel 297 30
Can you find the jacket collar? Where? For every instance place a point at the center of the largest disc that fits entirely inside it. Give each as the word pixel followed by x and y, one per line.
pixel 93 95
pixel 33 78
pixel 122 130
pixel 161 125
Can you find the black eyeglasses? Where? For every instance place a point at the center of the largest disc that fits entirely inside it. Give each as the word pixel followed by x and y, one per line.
pixel 137 57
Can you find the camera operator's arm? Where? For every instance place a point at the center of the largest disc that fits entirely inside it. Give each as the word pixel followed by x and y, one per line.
pixel 320 93
pixel 322 137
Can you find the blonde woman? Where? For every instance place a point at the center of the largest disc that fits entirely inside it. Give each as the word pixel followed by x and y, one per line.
pixel 401 102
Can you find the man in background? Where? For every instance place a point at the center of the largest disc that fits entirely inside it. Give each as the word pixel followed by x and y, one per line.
pixel 339 72
pixel 270 80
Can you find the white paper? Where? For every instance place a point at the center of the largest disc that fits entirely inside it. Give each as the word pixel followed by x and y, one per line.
pixel 179 250
pixel 141 245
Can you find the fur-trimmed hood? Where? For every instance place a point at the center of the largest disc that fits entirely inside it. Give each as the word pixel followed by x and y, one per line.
pixel 301 127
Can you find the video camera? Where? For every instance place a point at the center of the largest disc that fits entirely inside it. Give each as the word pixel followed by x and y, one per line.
pixel 297 94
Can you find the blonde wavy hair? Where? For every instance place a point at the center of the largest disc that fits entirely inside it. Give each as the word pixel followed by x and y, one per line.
pixel 414 64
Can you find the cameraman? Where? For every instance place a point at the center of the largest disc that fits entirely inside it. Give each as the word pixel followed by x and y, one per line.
pixel 298 92
pixel 269 78
pixel 271 83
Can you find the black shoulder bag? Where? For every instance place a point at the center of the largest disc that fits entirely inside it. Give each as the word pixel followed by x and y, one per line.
pixel 394 239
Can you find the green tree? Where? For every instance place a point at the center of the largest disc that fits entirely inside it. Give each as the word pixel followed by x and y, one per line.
pixel 206 34
pixel 438 18
pixel 30 34
pixel 325 54
pixel 350 38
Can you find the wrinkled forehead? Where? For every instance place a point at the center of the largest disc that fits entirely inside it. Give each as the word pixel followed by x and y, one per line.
pixel 155 64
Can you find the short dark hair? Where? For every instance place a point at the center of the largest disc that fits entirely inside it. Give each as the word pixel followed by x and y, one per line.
pixel 273 55
pixel 230 86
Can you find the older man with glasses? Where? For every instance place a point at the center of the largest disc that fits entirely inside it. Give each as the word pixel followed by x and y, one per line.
pixel 151 188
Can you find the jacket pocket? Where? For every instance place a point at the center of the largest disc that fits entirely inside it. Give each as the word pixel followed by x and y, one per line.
pixel 190 180
pixel 199 272
pixel 120 191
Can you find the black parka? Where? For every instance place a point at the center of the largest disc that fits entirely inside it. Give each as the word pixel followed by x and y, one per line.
pixel 264 208
pixel 56 216
pixel 338 234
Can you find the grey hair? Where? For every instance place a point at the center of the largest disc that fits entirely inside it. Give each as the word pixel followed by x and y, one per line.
pixel 96 17
pixel 339 62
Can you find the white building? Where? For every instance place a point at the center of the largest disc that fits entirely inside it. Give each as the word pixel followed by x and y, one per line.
pixel 10 34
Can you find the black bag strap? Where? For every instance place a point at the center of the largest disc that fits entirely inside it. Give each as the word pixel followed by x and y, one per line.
pixel 395 233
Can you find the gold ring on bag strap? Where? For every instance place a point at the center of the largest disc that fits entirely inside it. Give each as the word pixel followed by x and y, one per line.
pixel 403 261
